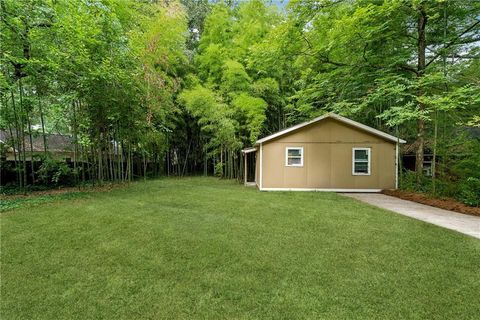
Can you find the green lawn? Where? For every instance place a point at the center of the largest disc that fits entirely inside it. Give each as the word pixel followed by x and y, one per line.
pixel 200 248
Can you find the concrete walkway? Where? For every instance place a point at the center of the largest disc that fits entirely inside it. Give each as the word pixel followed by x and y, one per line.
pixel 463 223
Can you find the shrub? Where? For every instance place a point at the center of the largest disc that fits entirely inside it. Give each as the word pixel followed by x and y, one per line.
pixel 468 171
pixel 56 172
pixel 469 192
pixel 408 182
pixel 219 169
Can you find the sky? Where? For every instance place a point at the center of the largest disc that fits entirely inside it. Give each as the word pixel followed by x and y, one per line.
pixel 280 3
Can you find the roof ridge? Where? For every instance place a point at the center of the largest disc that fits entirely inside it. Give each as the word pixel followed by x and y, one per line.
pixel 334 116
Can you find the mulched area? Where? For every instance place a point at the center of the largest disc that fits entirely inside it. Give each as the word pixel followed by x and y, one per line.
pixel 444 203
pixel 59 191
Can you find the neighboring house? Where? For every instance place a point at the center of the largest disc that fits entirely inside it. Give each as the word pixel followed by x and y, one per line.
pixel 60 147
pixel 456 150
pixel 408 155
pixel 328 153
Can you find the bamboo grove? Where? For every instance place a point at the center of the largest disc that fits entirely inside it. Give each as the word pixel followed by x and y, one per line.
pixel 94 71
pixel 150 88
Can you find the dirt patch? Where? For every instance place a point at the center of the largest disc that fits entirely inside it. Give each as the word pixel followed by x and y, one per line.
pixel 444 203
pixel 59 191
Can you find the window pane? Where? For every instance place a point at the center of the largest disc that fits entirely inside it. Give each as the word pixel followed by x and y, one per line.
pixel 294 161
pixel 294 152
pixel 361 167
pixel 361 155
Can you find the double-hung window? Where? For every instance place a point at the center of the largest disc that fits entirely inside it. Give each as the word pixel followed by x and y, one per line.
pixel 361 161
pixel 294 157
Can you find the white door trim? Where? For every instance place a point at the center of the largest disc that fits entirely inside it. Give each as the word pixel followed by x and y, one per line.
pixel 261 166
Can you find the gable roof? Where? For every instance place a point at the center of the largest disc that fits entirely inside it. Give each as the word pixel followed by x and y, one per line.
pixel 336 117
pixel 55 142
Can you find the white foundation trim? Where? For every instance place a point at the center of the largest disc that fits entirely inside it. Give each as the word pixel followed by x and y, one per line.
pixel 320 189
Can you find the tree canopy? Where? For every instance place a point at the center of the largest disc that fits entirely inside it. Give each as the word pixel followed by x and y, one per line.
pixel 180 87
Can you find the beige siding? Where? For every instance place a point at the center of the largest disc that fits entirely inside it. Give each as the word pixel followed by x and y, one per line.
pixel 328 159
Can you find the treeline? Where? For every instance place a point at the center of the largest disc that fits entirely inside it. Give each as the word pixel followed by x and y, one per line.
pixel 105 73
pixel 180 87
pixel 410 68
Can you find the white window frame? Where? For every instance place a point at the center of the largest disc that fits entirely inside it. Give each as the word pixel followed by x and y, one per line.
pixel 369 161
pixel 301 157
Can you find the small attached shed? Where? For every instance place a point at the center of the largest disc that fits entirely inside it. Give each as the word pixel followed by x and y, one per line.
pixel 328 153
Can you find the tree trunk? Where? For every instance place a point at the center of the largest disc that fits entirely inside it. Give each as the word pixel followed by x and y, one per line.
pixel 144 166
pixel 110 158
pixel 32 168
pixel 421 47
pixel 16 142
pixel 435 134
pixel 434 160
pixel 14 153
pixel 75 143
pixel 186 158
pixel 82 154
pixel 92 168
pixel 42 122
pixel 22 131
pixel 221 162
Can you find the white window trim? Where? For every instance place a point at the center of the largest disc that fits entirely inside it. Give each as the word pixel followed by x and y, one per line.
pixel 301 157
pixel 369 152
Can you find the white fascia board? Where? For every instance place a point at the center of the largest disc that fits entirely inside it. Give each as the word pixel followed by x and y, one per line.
pixel 367 128
pixel 285 131
pixel 248 150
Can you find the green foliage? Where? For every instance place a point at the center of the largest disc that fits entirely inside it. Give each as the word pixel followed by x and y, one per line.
pixel 218 27
pixel 213 117
pixel 470 191
pixel 467 170
pixel 458 178
pixel 54 172
pixel 102 72
pixel 234 78
pixel 408 181
pixel 232 105
pixel 25 202
pixel 187 84
pixel 211 63
pixel 252 111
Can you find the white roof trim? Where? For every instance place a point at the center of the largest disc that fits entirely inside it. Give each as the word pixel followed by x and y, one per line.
pixel 337 117
pixel 248 150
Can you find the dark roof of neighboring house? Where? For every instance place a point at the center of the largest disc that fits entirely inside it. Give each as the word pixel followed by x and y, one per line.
pixel 410 148
pixel 55 142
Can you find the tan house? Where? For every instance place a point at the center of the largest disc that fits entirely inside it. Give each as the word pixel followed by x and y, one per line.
pixel 328 153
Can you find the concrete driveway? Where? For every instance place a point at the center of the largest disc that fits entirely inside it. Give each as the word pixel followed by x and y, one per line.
pixel 463 223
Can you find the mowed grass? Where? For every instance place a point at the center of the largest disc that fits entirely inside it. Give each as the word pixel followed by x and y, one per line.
pixel 201 248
